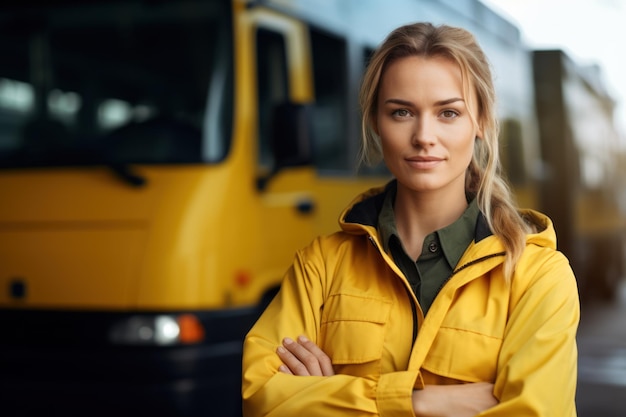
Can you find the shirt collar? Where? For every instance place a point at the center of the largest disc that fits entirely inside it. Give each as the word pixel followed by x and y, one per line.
pixel 454 239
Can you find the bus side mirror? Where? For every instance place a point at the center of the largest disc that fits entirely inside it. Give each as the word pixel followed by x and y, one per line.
pixel 291 140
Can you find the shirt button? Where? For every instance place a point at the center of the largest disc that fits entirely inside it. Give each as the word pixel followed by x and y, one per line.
pixel 432 247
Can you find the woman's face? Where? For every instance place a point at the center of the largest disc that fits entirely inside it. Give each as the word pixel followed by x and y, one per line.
pixel 424 124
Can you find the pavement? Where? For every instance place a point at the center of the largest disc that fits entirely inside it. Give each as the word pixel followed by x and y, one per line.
pixel 602 358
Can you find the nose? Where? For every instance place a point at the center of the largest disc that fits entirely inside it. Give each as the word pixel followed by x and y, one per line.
pixel 423 132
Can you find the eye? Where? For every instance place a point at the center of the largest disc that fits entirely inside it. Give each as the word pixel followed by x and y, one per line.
pixel 401 113
pixel 449 114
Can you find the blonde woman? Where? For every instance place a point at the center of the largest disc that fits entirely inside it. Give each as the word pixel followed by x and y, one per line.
pixel 437 297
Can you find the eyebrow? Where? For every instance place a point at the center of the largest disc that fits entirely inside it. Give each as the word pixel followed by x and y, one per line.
pixel 437 103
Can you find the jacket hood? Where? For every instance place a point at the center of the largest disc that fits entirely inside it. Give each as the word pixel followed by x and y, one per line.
pixel 544 234
pixel 361 217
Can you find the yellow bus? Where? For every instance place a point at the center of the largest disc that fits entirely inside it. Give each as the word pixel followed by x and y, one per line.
pixel 160 163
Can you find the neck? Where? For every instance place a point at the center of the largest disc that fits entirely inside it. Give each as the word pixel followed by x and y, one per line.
pixel 418 214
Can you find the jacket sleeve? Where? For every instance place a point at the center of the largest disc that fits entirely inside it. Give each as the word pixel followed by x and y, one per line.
pixel 537 367
pixel 297 309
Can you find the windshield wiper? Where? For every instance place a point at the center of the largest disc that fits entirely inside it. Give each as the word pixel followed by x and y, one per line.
pixel 125 173
pixel 23 159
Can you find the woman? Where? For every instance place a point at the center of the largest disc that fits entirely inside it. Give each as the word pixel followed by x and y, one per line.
pixel 438 297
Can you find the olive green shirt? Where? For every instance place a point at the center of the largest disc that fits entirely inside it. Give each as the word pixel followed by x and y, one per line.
pixel 441 251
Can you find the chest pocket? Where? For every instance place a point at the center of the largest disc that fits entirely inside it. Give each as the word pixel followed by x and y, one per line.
pixel 353 329
pixel 464 355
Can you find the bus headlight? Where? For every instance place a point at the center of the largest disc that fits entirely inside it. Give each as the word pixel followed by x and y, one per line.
pixel 160 330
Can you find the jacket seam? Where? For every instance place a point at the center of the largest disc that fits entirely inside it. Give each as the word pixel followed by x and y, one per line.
pixel 472 332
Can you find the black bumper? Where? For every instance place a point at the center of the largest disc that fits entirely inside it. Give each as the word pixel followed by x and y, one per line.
pixel 68 373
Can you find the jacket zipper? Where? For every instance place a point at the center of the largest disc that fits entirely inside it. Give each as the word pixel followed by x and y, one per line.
pixel 415 318
pixel 409 294
pixel 456 271
pixel 467 265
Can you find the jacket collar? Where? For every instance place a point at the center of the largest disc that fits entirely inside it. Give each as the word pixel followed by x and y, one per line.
pixel 364 210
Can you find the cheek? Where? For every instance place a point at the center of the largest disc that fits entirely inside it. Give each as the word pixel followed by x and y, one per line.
pixel 468 150
pixel 393 134
pixel 387 137
pixel 390 144
pixel 466 144
pixel 391 150
pixel 387 149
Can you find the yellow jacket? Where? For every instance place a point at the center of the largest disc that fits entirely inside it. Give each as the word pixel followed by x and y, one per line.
pixel 348 296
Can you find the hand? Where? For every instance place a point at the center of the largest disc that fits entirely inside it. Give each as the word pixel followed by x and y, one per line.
pixel 304 358
pixel 465 400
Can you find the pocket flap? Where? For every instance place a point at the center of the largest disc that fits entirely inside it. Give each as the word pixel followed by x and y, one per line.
pixel 354 327
pixel 464 355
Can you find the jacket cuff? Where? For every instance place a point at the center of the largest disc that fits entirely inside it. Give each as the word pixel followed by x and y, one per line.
pixel 394 393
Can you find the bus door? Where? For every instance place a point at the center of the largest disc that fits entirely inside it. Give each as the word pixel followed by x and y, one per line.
pixel 284 173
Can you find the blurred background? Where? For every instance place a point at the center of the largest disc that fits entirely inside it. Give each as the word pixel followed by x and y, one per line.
pixel 584 29
pixel 161 161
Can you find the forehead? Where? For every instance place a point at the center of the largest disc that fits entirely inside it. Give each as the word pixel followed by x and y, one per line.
pixel 422 72
pixel 439 77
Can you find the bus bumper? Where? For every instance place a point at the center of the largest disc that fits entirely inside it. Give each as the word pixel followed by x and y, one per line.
pixel 65 379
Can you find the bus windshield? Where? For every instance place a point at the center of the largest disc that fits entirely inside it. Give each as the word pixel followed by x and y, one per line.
pixel 86 83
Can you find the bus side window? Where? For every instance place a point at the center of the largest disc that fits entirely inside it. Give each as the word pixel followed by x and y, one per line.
pixel 330 121
pixel 272 87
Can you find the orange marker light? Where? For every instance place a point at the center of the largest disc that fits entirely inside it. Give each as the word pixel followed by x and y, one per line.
pixel 242 278
pixel 191 330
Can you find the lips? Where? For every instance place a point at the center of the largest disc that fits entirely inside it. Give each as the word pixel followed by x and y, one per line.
pixel 424 162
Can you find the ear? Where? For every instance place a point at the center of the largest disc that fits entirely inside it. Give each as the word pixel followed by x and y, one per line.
pixel 479 132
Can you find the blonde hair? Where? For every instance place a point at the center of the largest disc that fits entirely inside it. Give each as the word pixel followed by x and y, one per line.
pixel 483 179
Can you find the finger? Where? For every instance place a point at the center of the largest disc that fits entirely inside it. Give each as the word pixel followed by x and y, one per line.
pixel 305 358
pixel 290 360
pixel 325 364
pixel 285 369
